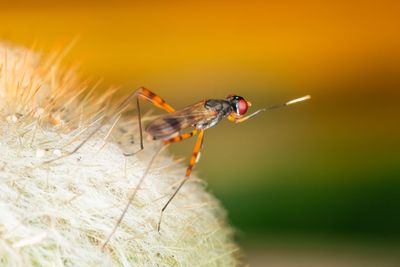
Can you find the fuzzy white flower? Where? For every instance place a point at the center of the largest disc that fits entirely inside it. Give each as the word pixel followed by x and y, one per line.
pixel 60 213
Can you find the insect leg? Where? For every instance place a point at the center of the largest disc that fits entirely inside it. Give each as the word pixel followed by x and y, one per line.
pixel 132 196
pixel 180 137
pixel 143 93
pixel 237 120
pixel 193 160
pixel 157 101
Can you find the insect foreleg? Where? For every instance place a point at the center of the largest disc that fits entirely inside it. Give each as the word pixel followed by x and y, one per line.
pixel 242 119
pixel 192 162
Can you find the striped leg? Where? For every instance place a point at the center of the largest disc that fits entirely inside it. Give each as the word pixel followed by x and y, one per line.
pixel 157 101
pixel 180 137
pixel 142 93
pixel 193 160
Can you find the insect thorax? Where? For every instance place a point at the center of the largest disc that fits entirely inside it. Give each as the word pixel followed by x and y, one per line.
pixel 220 107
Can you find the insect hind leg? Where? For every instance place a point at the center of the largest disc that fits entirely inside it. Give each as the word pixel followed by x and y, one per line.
pixel 193 160
pixel 142 93
pixel 140 130
pixel 157 101
pixel 132 196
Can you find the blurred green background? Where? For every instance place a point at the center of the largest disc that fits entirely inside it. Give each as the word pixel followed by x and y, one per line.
pixel 317 183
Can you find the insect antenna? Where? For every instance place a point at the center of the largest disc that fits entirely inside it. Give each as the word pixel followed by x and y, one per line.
pixel 300 99
pixel 297 100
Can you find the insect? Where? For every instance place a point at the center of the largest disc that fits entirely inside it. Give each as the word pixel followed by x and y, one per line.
pixel 199 116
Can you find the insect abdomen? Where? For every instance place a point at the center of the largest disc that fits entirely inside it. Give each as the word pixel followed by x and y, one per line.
pixel 163 127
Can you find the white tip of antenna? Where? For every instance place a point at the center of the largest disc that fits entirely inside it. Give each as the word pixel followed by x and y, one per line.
pixel 298 100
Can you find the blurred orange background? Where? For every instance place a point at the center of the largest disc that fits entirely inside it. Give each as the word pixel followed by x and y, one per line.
pixel 322 172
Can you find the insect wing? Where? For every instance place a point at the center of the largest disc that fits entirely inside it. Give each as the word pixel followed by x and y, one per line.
pixel 169 124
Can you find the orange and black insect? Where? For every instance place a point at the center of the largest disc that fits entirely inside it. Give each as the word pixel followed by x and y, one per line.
pixel 199 116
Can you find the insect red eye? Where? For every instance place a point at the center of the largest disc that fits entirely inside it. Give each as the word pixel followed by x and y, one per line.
pixel 242 106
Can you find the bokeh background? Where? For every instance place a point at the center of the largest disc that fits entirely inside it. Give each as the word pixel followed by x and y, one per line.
pixel 316 184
